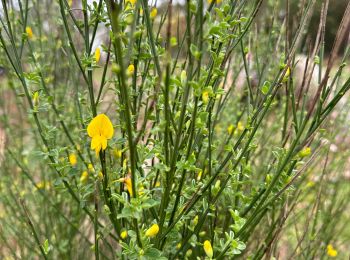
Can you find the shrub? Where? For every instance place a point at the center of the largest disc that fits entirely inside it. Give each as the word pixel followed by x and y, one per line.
pixel 126 138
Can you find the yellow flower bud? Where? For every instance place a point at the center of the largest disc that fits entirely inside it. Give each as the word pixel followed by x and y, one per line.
pixel 152 231
pixel 208 248
pixel 124 234
pixel 84 177
pixel 153 13
pixel 132 2
pixel 310 184
pixel 29 32
pixel 173 41
pixel 117 153
pixel 100 175
pixel 217 1
pixel 199 176
pixel 141 190
pixel 97 54
pixel 240 126
pixel 131 69
pixel 91 167
pixel 286 75
pixel 230 129
pixel 217 184
pixel 72 159
pixel 195 221
pixel 305 152
pixel 43 185
pixel 205 97
pixel 36 98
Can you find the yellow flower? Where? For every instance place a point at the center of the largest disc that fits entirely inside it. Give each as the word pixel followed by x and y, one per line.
pixel 72 159
pixel 91 167
pixel 331 251
pixel 141 190
pixel 43 185
pixel 127 184
pixel 286 75
pixel 305 152
pixel 97 54
pixel 205 97
pixel 199 176
pixel 158 184
pixel 132 2
pixel 70 2
pixel 310 184
pixel 84 177
pixel 153 13
pixel 287 72
pixel 240 126
pixel 100 175
pixel 29 32
pixel 131 69
pixel 100 129
pixel 152 231
pixel 217 1
pixel 208 249
pixel 230 129
pixel 124 234
pixel 117 153
pixel 178 246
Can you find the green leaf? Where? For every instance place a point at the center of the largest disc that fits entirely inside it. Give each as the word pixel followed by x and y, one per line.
pixel 194 51
pixel 153 253
pixel 149 203
pixel 46 247
pixel 266 87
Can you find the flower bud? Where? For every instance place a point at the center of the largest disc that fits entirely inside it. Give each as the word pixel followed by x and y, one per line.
pixel 152 231
pixel 72 159
pixel 153 13
pixel 124 234
pixel 29 32
pixel 84 177
pixel 208 248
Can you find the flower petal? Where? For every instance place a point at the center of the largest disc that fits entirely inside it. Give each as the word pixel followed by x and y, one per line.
pixel 98 149
pixel 94 126
pixel 103 142
pixel 128 185
pixel 106 127
pixel 95 141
